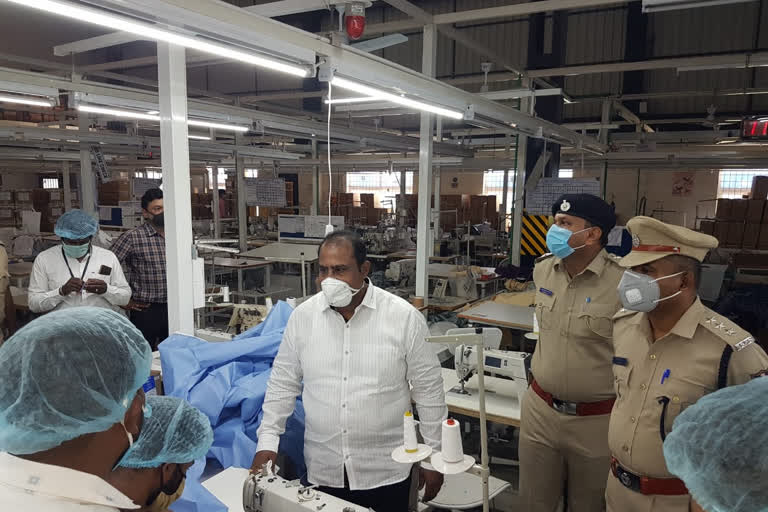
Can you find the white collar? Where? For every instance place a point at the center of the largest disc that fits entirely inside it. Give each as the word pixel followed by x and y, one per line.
pixel 60 482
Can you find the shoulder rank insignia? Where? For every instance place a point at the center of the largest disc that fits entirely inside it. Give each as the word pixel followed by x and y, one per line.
pixel 744 343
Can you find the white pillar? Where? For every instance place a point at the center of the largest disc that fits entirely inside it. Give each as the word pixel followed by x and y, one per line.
pixel 214 177
pixel 400 206
pixel 87 183
pixel 315 181
pixel 424 215
pixel 66 185
pixel 526 106
pixel 242 207
pixel 174 146
pixel 436 190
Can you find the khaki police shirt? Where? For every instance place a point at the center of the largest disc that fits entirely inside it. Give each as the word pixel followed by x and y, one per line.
pixel 573 355
pixel 691 352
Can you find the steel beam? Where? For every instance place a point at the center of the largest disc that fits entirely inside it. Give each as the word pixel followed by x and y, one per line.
pixel 94 43
pixel 172 77
pixel 491 13
pixel 424 214
pixel 242 202
pixel 66 185
pixel 87 180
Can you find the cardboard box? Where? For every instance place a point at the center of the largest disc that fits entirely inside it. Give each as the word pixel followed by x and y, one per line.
pixel 721 232
pixel 367 200
pixel 751 236
pixel 154 384
pixel 739 210
pixel 762 243
pixel 7 196
pixel 734 235
pixel 759 187
pixel 24 196
pixel 112 192
pixel 755 209
pixel 707 227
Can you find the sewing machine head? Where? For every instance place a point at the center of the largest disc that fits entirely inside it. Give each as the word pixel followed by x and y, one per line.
pixel 270 493
pixel 499 362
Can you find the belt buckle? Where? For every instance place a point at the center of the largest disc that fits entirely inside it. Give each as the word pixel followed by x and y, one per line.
pixel 627 479
pixel 563 407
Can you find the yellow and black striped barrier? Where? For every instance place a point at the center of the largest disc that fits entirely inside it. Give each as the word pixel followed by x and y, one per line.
pixel 533 236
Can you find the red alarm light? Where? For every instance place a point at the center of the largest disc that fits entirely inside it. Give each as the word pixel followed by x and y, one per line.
pixel 755 128
pixel 355 20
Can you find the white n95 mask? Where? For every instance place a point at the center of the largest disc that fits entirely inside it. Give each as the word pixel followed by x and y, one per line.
pixel 338 293
pixel 639 292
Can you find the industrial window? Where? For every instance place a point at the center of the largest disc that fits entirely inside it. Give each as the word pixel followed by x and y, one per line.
pixel 493 185
pixel 735 184
pixel 50 183
pixel 565 173
pixel 153 175
pixel 383 185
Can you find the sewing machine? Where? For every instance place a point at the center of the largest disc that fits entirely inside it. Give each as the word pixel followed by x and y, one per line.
pixel 241 491
pixel 499 362
pixel 402 272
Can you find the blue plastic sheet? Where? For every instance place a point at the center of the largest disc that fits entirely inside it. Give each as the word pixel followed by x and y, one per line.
pixel 227 381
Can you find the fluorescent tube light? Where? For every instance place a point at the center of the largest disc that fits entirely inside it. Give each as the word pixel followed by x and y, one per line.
pixel 400 100
pixel 217 126
pixel 152 117
pixel 198 137
pixel 672 5
pixel 117 113
pixel 151 31
pixel 26 101
pixel 342 101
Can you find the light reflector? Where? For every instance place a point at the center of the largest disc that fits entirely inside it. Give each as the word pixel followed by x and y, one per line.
pixel 394 98
pixel 150 31
pixel 26 101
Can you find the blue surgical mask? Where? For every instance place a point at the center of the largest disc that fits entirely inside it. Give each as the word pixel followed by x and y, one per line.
pixel 76 251
pixel 557 241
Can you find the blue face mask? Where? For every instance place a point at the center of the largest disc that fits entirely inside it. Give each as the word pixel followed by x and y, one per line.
pixel 557 241
pixel 76 251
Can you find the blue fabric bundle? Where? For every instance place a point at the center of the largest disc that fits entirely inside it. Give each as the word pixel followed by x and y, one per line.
pixel 227 381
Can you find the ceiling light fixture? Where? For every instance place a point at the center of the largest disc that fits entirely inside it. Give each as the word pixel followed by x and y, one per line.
pixel 217 126
pixel 153 117
pixel 198 137
pixel 378 94
pixel 36 102
pixel 151 31
pixel 342 101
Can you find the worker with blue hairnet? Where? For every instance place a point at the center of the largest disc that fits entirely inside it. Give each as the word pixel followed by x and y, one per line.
pixel 71 405
pixel 153 472
pixel 77 273
pixel 719 448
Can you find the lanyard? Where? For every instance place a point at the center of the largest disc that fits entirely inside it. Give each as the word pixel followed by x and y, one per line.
pixel 70 269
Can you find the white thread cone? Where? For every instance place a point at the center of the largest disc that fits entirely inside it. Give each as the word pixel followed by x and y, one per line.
pixel 409 433
pixel 453 451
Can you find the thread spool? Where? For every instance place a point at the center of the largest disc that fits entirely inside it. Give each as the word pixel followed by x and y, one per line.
pixel 409 428
pixel 453 452
pixel 225 293
pixel 268 302
pixel 291 301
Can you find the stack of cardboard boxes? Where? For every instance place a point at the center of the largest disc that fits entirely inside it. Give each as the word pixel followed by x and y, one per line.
pixel 741 223
pixel 8 217
pixel 474 209
pixel 356 212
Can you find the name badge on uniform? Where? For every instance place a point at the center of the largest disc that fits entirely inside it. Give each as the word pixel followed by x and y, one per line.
pixel 620 361
pixel 545 291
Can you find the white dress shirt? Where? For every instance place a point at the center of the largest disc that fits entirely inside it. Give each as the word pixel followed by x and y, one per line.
pixel 50 273
pixel 26 485
pixel 355 388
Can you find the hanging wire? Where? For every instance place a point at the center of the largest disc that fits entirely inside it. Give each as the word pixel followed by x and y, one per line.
pixel 330 174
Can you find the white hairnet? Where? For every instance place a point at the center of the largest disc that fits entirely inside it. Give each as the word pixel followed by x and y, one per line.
pixel 719 448
pixel 175 433
pixel 66 374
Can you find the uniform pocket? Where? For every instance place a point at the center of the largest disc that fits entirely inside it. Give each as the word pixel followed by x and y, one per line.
pixel 599 319
pixel 621 375
pixel 545 305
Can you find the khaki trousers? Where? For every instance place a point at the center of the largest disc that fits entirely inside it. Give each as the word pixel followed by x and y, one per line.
pixel 559 451
pixel 620 499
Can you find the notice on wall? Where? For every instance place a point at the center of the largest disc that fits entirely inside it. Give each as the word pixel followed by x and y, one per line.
pixel 265 192
pixel 306 227
pixel 540 201
pixel 682 184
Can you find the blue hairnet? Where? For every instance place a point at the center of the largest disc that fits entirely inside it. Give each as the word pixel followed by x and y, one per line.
pixel 66 374
pixel 719 448
pixel 76 225
pixel 176 433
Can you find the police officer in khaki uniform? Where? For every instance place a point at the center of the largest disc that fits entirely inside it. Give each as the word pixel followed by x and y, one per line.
pixel 564 427
pixel 670 350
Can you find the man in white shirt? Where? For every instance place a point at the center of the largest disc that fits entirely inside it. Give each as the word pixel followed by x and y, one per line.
pixel 77 273
pixel 71 403
pixel 355 348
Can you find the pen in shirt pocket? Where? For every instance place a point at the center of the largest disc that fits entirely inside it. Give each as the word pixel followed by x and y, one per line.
pixel 665 376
